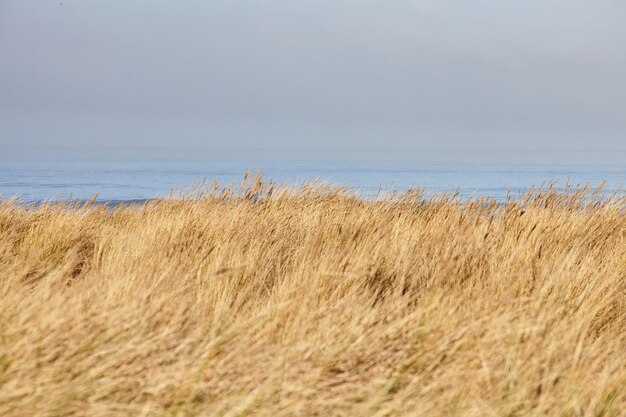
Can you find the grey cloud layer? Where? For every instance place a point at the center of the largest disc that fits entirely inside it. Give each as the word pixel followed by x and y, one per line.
pixel 314 72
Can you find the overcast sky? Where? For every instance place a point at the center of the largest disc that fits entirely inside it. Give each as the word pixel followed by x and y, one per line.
pixel 314 73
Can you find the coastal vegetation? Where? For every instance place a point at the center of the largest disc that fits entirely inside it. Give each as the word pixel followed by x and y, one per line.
pixel 269 300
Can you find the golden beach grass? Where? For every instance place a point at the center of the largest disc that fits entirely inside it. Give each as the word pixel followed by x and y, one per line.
pixel 274 301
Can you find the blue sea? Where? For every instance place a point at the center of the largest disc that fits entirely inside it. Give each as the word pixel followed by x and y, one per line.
pixel 126 174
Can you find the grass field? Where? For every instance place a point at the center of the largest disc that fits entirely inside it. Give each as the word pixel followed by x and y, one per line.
pixel 270 301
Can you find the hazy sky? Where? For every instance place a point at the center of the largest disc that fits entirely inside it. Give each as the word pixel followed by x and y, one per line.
pixel 314 73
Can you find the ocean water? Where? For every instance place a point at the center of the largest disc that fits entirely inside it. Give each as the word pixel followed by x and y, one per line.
pixel 125 174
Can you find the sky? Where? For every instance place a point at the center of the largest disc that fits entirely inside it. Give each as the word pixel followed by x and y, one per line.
pixel 345 74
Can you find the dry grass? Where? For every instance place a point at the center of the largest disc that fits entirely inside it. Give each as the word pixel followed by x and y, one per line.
pixel 314 302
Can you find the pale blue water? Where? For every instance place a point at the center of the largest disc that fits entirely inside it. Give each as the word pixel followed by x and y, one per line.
pixel 131 174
